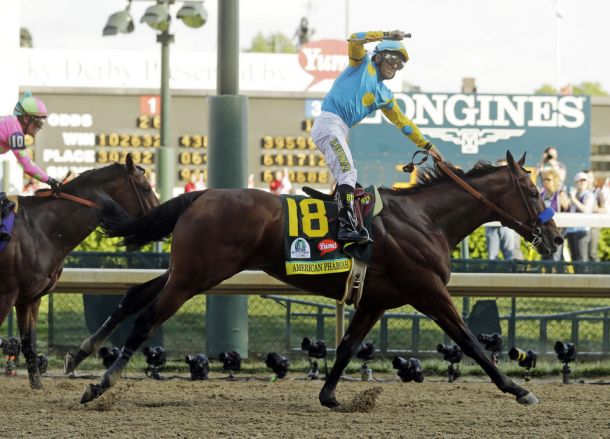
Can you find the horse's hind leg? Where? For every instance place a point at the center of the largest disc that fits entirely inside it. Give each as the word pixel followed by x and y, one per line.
pixel 137 297
pixel 440 307
pixel 359 327
pixel 170 299
pixel 27 316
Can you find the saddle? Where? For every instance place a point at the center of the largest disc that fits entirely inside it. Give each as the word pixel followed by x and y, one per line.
pixel 364 207
pixel 363 201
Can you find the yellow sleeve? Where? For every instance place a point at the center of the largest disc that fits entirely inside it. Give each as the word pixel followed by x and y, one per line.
pixel 392 111
pixel 356 50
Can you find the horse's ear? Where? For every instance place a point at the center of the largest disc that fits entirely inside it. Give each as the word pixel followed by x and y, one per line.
pixel 521 161
pixel 129 164
pixel 511 162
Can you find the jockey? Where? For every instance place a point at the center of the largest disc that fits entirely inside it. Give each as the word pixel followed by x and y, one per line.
pixel 356 93
pixel 27 118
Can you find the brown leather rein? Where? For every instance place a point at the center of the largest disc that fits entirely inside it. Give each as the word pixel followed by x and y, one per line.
pixel 533 227
pixel 43 193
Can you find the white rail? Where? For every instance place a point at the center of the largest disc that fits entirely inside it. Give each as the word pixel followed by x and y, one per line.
pixel 117 281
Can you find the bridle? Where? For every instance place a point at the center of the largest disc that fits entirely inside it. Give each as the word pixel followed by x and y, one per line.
pixel 534 224
pixel 43 193
pixel 135 189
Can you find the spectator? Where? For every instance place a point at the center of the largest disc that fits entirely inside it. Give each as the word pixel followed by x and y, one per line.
pixel 281 183
pixel 550 160
pixel 192 184
pixel 582 200
pixel 500 238
pixel 504 239
pixel 605 190
pixel 599 206
pixel 556 199
pixel 30 187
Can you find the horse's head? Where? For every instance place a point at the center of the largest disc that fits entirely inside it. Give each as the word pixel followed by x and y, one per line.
pixel 535 221
pixel 131 189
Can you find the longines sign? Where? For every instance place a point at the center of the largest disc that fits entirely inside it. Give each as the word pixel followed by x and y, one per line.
pixel 470 127
pixel 471 121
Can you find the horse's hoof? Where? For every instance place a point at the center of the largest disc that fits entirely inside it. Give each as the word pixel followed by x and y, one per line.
pixel 36 385
pixel 69 364
pixel 331 403
pixel 528 399
pixel 91 392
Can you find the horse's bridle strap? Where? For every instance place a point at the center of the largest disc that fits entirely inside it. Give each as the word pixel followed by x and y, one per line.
pixel 49 193
pixel 476 194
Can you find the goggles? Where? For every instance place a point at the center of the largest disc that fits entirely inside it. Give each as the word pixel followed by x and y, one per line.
pixel 38 121
pixel 393 60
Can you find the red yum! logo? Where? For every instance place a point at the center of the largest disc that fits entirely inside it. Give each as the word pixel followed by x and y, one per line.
pixel 327 246
pixel 323 59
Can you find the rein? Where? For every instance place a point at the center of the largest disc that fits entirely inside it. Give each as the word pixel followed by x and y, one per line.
pixel 534 225
pixel 44 193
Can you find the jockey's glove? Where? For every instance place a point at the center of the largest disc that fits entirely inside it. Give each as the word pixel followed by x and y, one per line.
pixel 54 184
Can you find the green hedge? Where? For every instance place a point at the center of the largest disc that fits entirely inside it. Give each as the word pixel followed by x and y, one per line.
pixel 477 246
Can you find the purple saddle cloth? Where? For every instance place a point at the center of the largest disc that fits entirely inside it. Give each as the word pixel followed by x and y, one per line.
pixel 7 226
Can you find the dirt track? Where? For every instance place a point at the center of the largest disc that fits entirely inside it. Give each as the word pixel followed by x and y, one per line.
pixel 469 408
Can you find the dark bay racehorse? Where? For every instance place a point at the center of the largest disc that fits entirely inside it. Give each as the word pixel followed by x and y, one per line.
pixel 244 229
pixel 47 229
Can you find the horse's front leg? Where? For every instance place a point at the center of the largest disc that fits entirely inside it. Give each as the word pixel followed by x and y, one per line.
pixel 438 305
pixel 360 325
pixel 27 317
pixel 137 297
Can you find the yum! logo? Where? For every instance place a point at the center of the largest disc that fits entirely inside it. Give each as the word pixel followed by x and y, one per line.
pixel 327 246
pixel 323 59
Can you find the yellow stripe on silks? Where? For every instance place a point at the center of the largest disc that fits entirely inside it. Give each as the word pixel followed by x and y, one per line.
pixel 340 153
pixel 14 199
pixel 319 267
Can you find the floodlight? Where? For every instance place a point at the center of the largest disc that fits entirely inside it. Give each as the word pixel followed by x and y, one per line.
pixel 119 22
pixel 193 14
pixel 157 17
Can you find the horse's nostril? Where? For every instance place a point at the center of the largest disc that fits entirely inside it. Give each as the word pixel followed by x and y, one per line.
pixel 558 240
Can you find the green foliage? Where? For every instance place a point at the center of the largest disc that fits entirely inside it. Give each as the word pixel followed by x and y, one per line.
pixel 97 242
pixel 477 247
pixel 271 43
pixel 604 245
pixel 590 89
pixel 546 89
pixel 584 88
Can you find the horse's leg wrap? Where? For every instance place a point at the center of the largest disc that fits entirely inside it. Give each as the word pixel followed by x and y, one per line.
pixel 113 373
pixel 31 362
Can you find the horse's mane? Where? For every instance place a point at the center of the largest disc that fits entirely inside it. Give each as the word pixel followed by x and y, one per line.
pixel 430 176
pixel 94 176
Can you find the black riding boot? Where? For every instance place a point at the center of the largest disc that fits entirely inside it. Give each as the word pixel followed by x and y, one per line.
pixel 347 220
pixel 4 235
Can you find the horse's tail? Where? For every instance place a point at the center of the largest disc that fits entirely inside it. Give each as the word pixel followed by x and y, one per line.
pixel 154 226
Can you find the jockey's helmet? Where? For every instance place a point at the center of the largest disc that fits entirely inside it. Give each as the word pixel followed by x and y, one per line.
pixel 392 46
pixel 31 106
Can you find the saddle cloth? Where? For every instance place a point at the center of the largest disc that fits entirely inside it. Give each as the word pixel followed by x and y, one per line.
pixel 8 208
pixel 310 241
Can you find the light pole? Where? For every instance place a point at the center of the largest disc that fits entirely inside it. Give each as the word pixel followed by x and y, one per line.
pixel 158 17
